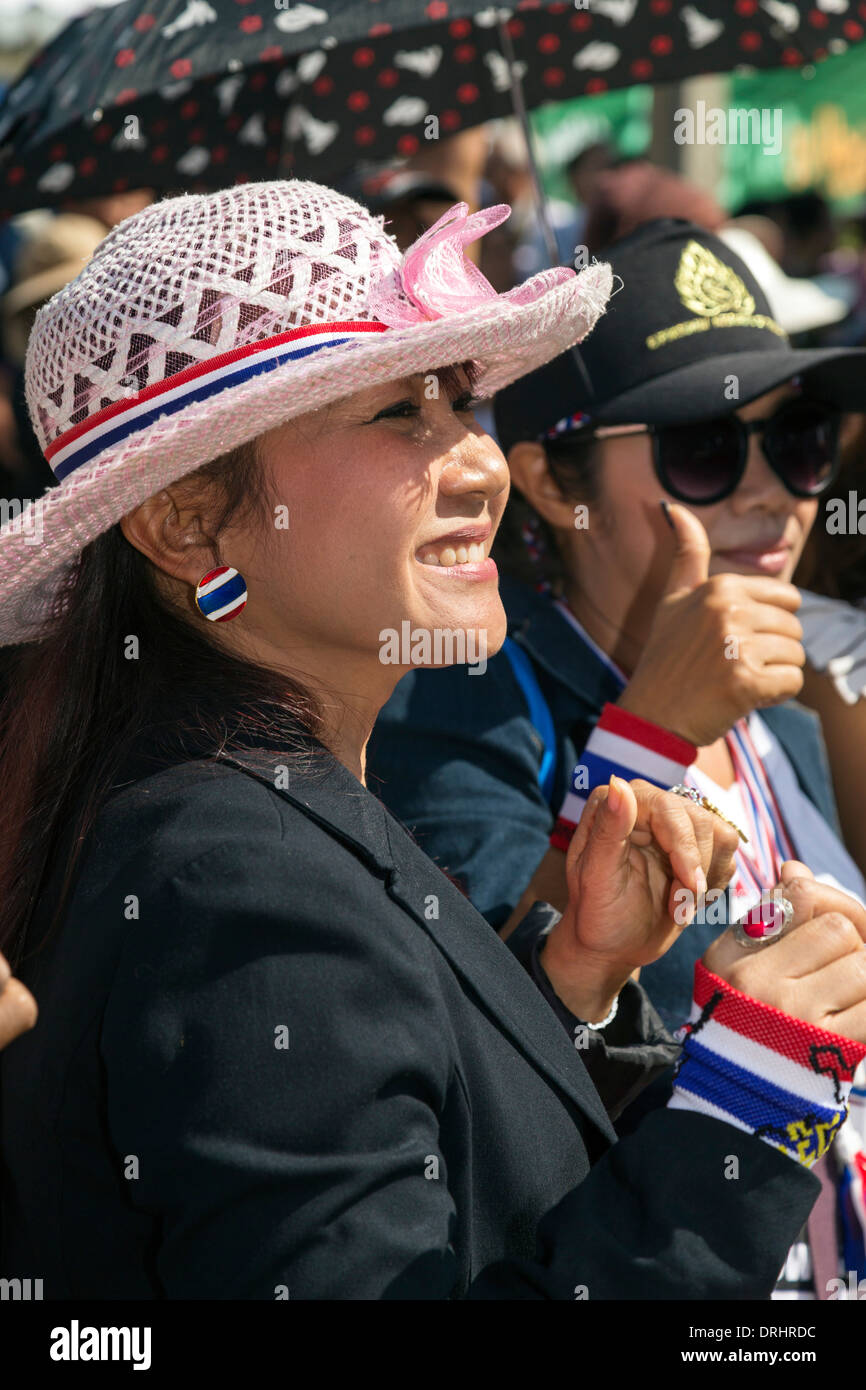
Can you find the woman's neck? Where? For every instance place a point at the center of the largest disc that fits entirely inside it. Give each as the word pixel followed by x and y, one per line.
pixel 348 689
pixel 346 731
pixel 609 632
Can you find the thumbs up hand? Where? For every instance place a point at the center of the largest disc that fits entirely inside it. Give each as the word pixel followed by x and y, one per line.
pixel 690 565
pixel 719 646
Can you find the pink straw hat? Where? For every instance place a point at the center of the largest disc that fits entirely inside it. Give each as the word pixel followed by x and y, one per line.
pixel 203 321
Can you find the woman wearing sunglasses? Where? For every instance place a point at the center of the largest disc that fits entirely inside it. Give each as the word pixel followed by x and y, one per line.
pixel 643 638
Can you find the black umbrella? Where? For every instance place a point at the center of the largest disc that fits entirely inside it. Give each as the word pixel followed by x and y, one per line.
pixel 198 94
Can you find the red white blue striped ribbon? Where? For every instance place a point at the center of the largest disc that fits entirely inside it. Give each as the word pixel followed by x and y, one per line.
pixel 758 866
pixel 112 426
pixel 771 845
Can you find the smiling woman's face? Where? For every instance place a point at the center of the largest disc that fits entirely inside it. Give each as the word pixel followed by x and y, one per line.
pixel 392 502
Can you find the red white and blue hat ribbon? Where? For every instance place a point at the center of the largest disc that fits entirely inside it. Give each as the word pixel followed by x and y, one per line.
pixel 112 427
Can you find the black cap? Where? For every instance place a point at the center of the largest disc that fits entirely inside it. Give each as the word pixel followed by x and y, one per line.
pixel 689 317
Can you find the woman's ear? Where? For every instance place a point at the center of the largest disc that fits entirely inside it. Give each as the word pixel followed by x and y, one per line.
pixel 170 534
pixel 527 463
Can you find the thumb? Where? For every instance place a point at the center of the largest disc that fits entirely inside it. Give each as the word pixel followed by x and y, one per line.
pixel 608 843
pixel 690 565
pixel 792 868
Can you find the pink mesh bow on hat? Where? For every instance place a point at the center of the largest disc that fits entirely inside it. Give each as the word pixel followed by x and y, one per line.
pixel 436 278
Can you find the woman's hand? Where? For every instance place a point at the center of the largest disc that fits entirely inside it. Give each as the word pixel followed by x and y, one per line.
pixel 17 1006
pixel 636 848
pixel 740 631
pixel 816 971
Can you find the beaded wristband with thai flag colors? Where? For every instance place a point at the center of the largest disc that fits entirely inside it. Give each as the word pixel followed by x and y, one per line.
pixel 627 746
pixel 785 1081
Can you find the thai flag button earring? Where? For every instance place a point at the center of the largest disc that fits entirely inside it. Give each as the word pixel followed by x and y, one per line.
pixel 221 594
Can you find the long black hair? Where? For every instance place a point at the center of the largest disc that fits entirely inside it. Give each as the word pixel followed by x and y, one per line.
pixel 73 703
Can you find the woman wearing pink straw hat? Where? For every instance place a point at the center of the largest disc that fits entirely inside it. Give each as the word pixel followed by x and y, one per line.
pixel 278 1053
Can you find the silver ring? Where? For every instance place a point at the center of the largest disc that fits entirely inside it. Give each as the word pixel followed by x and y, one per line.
pixel 760 926
pixel 691 792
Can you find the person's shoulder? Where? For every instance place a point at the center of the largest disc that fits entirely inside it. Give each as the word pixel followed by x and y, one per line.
pixel 225 861
pixel 184 789
pixel 160 823
pixel 207 843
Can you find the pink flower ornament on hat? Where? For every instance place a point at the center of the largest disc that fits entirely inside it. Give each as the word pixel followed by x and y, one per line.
pixel 436 278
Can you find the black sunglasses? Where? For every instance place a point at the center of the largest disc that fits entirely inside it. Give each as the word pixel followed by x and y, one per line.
pixel 704 461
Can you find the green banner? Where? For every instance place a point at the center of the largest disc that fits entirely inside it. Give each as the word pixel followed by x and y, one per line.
pixel 823 133
pixel 823 128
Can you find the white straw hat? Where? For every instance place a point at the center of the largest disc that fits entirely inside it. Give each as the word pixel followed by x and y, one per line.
pixel 203 321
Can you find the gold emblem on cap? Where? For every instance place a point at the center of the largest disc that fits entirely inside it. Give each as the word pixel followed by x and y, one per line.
pixel 707 286
pixel 715 293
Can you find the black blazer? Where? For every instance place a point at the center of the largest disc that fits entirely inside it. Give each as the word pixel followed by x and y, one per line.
pixel 279 1053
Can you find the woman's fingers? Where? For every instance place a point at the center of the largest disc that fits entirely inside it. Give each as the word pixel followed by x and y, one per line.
pixel 678 833
pixel 723 863
pixel 774 650
pixel 601 842
pixel 796 974
pixel 838 987
pixel 699 844
pixel 775 593
pixel 613 819
pixel 817 943
pixel 794 868
pixel 809 899
pixel 849 1024
pixel 795 955
pixel 717 840
pixel 765 617
pixel 697 841
pixel 584 825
